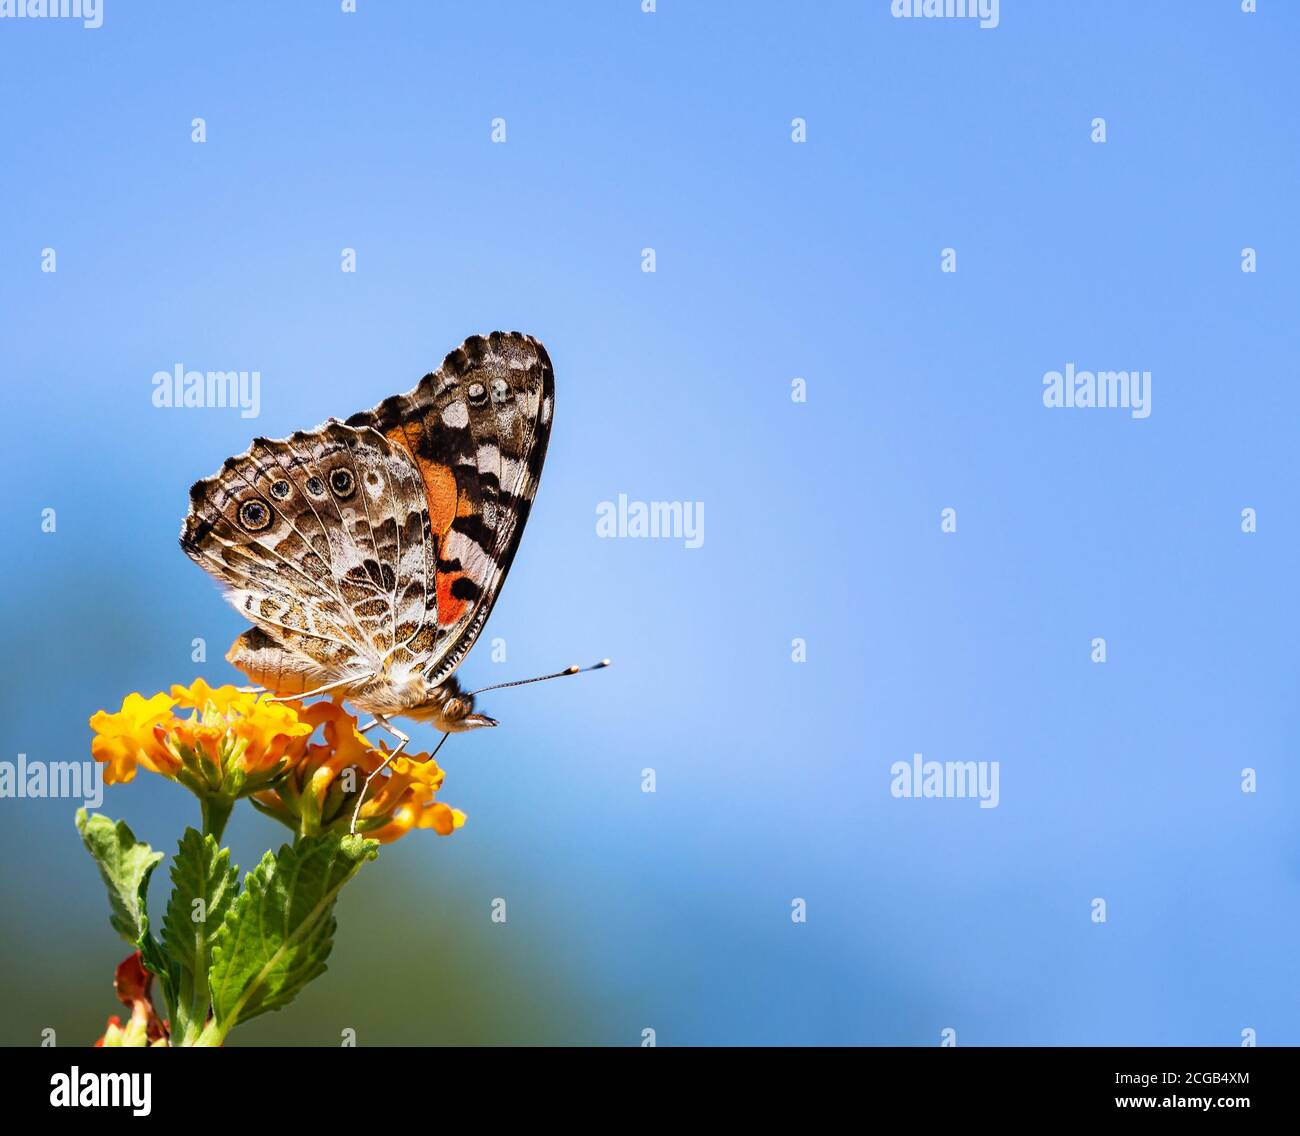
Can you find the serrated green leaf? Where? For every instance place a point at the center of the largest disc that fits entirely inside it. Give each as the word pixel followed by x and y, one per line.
pixel 125 865
pixel 279 931
pixel 204 885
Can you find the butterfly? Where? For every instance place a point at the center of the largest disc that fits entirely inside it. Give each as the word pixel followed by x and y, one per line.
pixel 368 553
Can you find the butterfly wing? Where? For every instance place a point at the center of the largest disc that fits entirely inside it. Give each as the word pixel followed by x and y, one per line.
pixel 381 542
pixel 323 541
pixel 476 430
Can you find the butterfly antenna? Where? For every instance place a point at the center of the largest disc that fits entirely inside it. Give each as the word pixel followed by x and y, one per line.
pixel 542 678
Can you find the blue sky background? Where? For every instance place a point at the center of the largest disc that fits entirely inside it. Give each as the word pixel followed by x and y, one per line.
pixel 671 911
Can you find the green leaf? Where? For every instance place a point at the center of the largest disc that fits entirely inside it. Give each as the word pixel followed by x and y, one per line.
pixel 278 933
pixel 126 865
pixel 158 963
pixel 204 886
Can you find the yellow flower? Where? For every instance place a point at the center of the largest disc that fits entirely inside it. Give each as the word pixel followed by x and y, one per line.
pixel 130 738
pixel 199 695
pixel 269 730
pixel 231 742
pixel 234 743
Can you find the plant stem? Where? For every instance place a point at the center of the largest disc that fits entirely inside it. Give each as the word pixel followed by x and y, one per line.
pixel 194 998
pixel 212 1035
pixel 216 811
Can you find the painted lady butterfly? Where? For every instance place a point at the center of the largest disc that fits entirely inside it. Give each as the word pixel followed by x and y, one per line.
pixel 368 553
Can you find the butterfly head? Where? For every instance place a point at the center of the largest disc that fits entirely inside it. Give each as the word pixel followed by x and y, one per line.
pixel 458 714
pixel 450 709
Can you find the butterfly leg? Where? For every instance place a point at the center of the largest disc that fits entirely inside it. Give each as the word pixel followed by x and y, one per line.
pixel 402 741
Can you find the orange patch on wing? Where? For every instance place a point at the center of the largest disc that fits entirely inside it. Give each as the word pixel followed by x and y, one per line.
pixel 450 608
pixel 439 487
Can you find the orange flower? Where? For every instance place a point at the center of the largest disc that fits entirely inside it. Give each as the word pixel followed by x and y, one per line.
pixel 205 741
pixel 406 797
pixel 320 792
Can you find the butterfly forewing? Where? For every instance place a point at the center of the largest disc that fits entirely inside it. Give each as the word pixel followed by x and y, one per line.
pixel 477 431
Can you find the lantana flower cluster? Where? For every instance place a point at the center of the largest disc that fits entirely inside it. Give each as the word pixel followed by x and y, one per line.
pixel 305 765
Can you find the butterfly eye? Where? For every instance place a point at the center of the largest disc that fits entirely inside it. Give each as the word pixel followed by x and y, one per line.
pixel 315 486
pixel 341 482
pixel 280 490
pixel 254 515
pixel 477 392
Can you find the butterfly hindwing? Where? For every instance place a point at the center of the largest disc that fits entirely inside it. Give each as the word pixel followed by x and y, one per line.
pixel 269 566
pixel 323 540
